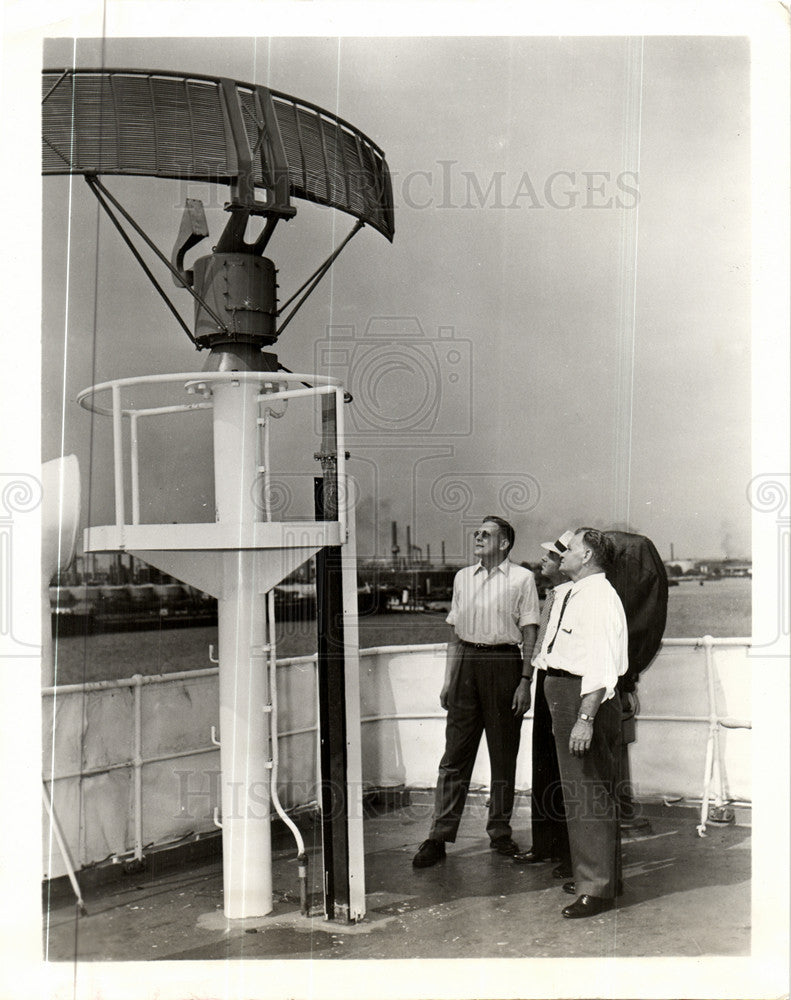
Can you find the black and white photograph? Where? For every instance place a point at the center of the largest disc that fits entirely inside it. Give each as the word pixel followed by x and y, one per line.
pixel 396 501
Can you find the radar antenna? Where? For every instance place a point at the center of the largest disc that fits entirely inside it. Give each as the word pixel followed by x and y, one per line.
pixel 255 140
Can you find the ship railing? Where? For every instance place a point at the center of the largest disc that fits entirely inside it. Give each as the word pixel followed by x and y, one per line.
pixel 403 748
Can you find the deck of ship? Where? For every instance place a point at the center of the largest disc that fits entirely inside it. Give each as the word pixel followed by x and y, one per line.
pixel 685 896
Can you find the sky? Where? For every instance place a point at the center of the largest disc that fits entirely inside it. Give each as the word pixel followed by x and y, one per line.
pixel 559 333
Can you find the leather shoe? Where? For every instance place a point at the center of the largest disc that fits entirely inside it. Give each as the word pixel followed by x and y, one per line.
pixel 563 870
pixel 504 845
pixel 587 906
pixel 429 853
pixel 529 857
pixel 571 888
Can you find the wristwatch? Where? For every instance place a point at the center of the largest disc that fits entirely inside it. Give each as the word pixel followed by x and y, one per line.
pixel 585 718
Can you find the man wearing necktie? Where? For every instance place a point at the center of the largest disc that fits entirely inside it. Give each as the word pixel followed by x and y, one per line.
pixel 584 652
pixel 547 813
pixel 486 687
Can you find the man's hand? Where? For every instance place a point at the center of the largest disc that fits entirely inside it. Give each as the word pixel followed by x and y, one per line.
pixel 443 696
pixel 521 701
pixel 581 738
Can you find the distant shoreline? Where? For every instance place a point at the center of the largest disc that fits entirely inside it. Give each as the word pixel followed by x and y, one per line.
pixel 722 610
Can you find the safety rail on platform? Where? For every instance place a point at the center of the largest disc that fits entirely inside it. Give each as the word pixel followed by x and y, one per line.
pixel 200 382
pixel 136 761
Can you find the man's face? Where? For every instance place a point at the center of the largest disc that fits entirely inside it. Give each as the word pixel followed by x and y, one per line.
pixel 550 566
pixel 573 558
pixel 487 542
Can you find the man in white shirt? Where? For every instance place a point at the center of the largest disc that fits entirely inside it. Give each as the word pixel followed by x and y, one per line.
pixel 486 687
pixel 584 652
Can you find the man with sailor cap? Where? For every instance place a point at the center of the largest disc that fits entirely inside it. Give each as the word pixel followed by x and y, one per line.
pixel 547 812
pixel 486 688
pixel 584 652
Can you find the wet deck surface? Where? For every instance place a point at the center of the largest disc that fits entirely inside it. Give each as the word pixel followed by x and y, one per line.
pixel 684 896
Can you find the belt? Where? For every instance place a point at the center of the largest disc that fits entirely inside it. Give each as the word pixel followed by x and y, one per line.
pixel 552 672
pixel 489 645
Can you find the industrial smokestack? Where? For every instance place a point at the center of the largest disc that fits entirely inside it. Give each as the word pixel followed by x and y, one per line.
pixel 428 553
pixel 408 545
pixel 443 553
pixel 395 550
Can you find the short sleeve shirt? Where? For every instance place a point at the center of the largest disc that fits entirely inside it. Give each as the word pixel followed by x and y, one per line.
pixel 492 607
pixel 588 634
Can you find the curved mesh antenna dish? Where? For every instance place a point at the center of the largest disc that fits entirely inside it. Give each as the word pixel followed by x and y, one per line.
pixel 203 128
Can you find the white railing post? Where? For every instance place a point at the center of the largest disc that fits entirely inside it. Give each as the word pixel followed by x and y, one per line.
pixel 118 457
pixel 137 691
pixel 135 469
pixel 64 850
pixel 712 744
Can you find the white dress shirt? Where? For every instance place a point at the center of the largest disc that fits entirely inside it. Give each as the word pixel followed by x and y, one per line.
pixel 491 607
pixel 591 638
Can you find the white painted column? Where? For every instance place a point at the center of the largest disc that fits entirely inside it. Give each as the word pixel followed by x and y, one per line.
pixel 351 656
pixel 244 725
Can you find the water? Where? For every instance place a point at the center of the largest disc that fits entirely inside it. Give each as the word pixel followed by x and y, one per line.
pixel 718 608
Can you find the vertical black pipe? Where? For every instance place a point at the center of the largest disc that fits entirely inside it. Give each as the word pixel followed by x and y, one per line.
pixel 332 715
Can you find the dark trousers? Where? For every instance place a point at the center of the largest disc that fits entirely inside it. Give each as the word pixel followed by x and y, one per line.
pixel 547 810
pixel 479 701
pixel 590 787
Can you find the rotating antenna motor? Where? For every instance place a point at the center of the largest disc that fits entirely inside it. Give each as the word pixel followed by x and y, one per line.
pixel 236 291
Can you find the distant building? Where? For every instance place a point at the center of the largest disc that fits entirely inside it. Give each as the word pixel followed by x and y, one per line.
pixel 732 567
pixel 709 567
